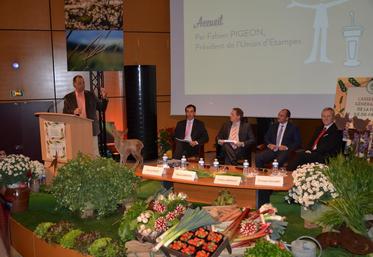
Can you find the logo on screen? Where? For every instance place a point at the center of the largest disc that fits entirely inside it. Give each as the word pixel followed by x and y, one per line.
pixel 202 22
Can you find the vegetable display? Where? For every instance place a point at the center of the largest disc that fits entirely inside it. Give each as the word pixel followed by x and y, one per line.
pixel 192 219
pixel 264 248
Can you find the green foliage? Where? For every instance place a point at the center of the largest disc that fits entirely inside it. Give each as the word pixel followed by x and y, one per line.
pixel 224 198
pixel 264 248
pixel 128 223
pixel 105 247
pixel 353 181
pixel 84 241
pixel 68 240
pixel 100 184
pixel 278 228
pixel 165 140
pixel 42 229
pixel 57 231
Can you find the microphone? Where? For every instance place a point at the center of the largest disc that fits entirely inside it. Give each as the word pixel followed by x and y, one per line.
pixel 54 103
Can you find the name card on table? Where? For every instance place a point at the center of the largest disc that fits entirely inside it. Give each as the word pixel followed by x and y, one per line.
pixel 227 180
pixel 184 174
pixel 276 181
pixel 153 171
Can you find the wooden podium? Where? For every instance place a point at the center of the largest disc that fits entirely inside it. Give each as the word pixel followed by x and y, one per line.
pixel 62 137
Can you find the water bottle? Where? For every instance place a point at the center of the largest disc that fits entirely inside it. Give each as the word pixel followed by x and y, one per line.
pixel 245 169
pixel 275 167
pixel 183 162
pixel 164 159
pixel 201 163
pixel 216 164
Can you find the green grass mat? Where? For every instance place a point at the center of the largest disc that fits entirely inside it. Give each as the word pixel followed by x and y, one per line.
pixel 43 208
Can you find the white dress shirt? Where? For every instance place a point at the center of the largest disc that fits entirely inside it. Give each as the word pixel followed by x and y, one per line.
pixel 283 125
pixel 188 134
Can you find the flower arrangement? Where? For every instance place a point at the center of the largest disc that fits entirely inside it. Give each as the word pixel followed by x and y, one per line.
pixel 360 143
pixel 37 169
pixel 14 169
pixel 311 186
pixel 163 213
pixel 165 141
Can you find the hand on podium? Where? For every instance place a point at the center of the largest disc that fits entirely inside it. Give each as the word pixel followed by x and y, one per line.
pixel 77 111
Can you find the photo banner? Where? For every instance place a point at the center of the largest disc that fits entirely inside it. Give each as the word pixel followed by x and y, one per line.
pixel 94 35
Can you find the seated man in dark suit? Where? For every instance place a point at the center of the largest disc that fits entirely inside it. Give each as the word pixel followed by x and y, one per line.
pixel 326 142
pixel 240 135
pixel 281 138
pixel 191 130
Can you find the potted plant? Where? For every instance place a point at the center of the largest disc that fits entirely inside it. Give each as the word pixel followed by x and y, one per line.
pixel 93 186
pixel 352 178
pixel 311 190
pixel 14 175
pixel 37 172
pixel 165 141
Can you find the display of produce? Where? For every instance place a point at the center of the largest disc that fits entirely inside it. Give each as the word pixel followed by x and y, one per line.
pixel 192 219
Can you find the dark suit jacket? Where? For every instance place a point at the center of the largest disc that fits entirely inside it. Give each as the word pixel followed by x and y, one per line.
pixel 329 144
pixel 245 134
pixel 92 104
pixel 199 132
pixel 291 137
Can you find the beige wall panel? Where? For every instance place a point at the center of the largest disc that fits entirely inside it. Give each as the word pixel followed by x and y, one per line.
pixel 113 82
pixel 115 112
pixel 24 14
pixel 150 48
pixel 58 14
pixel 147 15
pixel 32 50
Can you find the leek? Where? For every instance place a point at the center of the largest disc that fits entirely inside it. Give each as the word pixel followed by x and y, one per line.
pixel 192 219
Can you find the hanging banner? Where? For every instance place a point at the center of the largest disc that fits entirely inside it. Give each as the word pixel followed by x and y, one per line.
pixel 354 96
pixel 94 35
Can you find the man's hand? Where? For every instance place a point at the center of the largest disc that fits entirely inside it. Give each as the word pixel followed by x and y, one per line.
pixel 193 143
pixel 271 146
pixel 103 92
pixel 240 144
pixel 282 148
pixel 77 111
pixel 220 141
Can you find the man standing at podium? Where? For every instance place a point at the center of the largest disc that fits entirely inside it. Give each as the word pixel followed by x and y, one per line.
pixel 84 103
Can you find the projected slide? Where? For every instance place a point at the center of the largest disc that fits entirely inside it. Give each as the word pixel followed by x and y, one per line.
pixel 273 48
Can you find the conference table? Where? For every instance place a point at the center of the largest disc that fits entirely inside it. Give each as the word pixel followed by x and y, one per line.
pixel 204 190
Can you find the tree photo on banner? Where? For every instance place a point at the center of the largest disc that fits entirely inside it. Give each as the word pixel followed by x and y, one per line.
pixel 94 35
